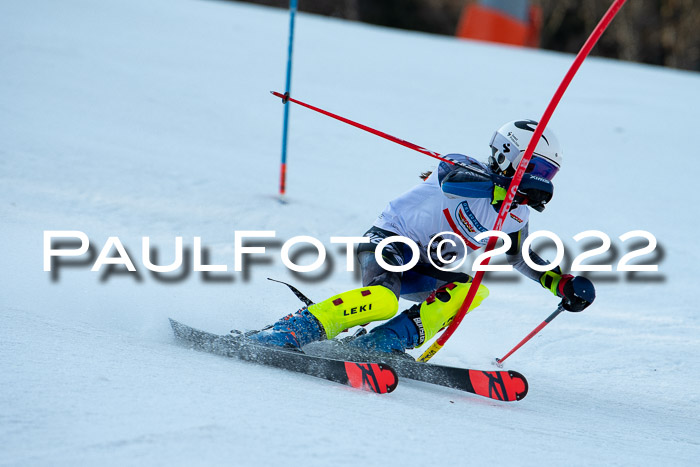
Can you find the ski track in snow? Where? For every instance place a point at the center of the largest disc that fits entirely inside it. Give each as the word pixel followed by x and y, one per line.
pixel 130 119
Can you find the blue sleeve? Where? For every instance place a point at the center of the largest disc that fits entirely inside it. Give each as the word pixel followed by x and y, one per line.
pixel 467 183
pixel 469 190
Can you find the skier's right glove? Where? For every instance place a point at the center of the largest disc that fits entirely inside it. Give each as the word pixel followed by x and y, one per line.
pixel 576 292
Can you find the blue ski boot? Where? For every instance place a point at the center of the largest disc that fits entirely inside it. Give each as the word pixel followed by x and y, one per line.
pixel 395 336
pixel 421 322
pixel 327 319
pixel 293 331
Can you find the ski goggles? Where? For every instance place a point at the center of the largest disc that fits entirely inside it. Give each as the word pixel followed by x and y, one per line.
pixel 541 167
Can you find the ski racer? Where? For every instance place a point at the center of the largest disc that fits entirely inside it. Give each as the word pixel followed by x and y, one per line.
pixel 463 200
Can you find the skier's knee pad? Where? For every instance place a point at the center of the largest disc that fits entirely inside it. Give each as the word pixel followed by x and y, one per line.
pixel 438 310
pixel 355 308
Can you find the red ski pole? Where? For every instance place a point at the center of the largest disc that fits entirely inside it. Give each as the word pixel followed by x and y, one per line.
pixel 560 308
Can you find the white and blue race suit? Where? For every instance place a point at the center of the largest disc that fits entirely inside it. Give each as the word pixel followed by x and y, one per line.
pixel 452 201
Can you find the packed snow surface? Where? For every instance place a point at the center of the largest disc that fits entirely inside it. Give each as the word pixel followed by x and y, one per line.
pixel 131 119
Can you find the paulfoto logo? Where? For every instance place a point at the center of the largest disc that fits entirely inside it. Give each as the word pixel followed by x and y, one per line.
pixel 440 252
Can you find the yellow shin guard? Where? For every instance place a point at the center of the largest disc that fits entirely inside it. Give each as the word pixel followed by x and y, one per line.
pixel 354 308
pixel 438 310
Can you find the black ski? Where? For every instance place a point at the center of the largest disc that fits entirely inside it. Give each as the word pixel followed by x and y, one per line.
pixel 502 385
pixel 370 376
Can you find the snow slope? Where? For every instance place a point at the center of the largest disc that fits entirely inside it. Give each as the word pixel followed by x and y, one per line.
pixel 130 119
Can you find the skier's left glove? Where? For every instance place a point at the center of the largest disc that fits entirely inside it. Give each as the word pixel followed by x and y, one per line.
pixel 576 292
pixel 533 191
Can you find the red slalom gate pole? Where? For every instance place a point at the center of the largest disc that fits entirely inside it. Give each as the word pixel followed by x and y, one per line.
pixel 560 308
pixel 285 98
pixel 512 189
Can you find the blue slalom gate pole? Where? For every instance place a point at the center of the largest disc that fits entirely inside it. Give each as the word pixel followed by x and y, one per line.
pixel 283 167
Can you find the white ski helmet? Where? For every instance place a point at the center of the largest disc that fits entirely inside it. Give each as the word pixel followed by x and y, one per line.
pixel 509 143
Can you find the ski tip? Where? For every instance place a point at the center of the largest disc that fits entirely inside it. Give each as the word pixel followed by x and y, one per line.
pixel 506 386
pixel 390 378
pixel 374 377
pixel 519 395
